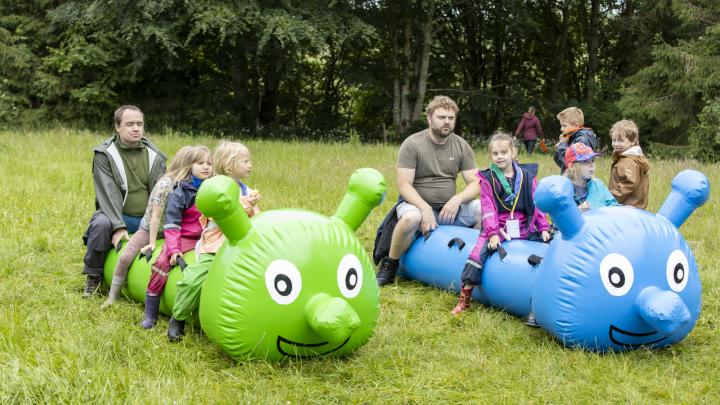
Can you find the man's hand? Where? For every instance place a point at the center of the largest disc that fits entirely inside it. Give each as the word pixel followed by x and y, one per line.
pixel 119 235
pixel 494 242
pixel 545 236
pixel 449 210
pixel 427 222
pixel 173 258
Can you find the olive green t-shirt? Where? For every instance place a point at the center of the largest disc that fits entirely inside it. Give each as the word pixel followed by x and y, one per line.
pixel 137 169
pixel 436 166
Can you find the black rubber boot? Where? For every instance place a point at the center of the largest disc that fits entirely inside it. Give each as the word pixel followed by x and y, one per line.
pixel 176 329
pixel 387 269
pixel 152 305
pixel 92 286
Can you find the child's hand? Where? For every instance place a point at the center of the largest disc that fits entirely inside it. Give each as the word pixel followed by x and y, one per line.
pixel 149 247
pixel 253 197
pixel 494 242
pixel 564 137
pixel 173 258
pixel 545 236
pixel 585 206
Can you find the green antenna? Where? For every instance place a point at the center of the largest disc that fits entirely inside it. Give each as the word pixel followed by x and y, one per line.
pixel 219 199
pixel 366 190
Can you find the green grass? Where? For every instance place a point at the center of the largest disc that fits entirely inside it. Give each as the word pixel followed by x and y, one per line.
pixel 57 347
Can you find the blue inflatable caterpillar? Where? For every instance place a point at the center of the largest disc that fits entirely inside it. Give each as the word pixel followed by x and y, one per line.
pixel 615 278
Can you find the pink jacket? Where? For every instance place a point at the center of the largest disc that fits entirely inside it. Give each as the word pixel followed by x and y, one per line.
pixel 493 221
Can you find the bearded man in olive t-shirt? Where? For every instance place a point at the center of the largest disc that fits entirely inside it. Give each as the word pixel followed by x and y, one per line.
pixel 427 168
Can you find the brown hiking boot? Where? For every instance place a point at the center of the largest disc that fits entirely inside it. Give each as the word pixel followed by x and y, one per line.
pixel 463 302
pixel 92 286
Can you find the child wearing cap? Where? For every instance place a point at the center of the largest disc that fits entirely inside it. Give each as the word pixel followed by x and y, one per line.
pixel 590 192
pixel 572 120
pixel 629 180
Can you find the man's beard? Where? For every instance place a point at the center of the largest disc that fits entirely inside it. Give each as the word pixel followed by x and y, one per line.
pixel 440 134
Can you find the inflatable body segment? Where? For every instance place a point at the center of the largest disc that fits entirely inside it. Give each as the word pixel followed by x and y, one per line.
pixel 506 283
pixel 139 276
pixel 616 278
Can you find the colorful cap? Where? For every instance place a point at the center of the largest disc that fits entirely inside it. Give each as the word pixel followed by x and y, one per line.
pixel 578 152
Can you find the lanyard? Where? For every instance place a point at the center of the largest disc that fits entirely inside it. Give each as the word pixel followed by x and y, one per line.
pixel 517 196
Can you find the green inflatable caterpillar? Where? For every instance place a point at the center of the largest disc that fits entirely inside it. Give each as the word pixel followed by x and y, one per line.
pixel 288 284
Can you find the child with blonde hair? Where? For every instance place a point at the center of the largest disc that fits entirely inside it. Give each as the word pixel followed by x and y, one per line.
pixel 508 211
pixel 629 179
pixel 572 120
pixel 589 191
pixel 230 159
pixel 144 240
pixel 182 230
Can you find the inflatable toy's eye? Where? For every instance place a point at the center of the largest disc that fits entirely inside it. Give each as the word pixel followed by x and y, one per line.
pixel 677 270
pixel 617 274
pixel 350 276
pixel 283 281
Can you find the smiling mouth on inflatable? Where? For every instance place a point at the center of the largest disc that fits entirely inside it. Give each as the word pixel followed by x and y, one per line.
pixel 304 350
pixel 633 339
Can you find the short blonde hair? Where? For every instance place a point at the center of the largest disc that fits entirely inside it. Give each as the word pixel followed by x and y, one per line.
pixel 572 115
pixel 500 136
pixel 627 129
pixel 226 155
pixel 441 102
pixel 181 166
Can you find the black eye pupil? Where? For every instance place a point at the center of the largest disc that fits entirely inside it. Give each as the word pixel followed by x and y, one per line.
pixel 617 277
pixel 679 273
pixel 351 278
pixel 283 285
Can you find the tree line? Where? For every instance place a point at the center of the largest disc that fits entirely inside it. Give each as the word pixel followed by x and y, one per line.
pixel 364 69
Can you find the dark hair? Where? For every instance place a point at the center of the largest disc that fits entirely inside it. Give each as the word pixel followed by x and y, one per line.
pixel 119 112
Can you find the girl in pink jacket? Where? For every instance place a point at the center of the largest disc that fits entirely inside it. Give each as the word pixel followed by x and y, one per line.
pixel 182 231
pixel 508 211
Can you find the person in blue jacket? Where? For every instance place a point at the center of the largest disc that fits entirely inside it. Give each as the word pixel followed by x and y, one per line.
pixel 590 192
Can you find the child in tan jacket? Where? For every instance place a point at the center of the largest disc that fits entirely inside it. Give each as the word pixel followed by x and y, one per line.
pixel 629 179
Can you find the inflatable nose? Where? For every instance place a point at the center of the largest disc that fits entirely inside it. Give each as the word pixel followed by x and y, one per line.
pixel 664 310
pixel 332 317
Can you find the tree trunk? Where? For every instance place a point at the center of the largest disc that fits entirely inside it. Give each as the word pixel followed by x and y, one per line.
pixel 593 50
pixel 410 82
pixel 424 61
pixel 562 51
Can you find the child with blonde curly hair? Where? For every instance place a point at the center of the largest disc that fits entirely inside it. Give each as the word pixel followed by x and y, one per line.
pixel 230 159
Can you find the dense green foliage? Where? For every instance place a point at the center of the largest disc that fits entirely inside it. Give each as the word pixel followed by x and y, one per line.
pixel 56 347
pixel 362 69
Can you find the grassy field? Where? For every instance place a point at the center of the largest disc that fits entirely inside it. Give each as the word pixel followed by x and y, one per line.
pixel 56 347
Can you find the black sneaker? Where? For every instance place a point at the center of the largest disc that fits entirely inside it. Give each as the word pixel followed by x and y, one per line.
pixel 387 269
pixel 92 286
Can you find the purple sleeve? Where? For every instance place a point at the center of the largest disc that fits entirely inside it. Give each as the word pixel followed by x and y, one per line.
pixel 519 126
pixel 173 221
pixel 490 220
